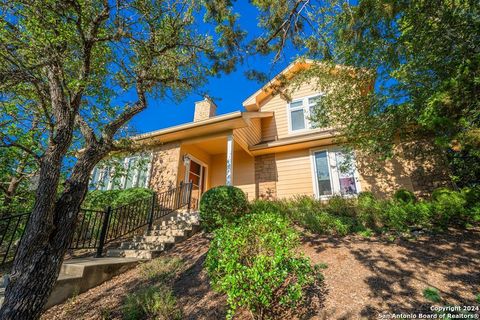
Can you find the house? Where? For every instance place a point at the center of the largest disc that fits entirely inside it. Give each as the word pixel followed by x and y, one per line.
pixel 271 150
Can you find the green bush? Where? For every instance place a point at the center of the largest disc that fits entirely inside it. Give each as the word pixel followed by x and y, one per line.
pixel 404 195
pixel 99 199
pixel 369 211
pixel 153 302
pixel 254 263
pixel 222 205
pixel 401 214
pixel 449 207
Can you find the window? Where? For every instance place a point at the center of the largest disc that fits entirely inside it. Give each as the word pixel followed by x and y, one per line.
pixel 130 172
pixel 300 111
pixel 334 173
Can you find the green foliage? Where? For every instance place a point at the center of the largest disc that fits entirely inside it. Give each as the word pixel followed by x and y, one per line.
pixel 99 199
pixel 432 295
pixel 153 302
pixel 477 298
pixel 222 205
pixel 157 300
pixel 404 195
pixel 413 77
pixel 365 214
pixel 161 270
pixel 254 263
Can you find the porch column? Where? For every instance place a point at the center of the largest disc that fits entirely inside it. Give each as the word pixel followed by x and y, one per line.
pixel 229 171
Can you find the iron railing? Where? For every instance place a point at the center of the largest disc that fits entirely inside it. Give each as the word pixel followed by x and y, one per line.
pixel 96 228
pixel 11 231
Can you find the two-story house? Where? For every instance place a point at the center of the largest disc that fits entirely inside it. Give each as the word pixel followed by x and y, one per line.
pixel 269 150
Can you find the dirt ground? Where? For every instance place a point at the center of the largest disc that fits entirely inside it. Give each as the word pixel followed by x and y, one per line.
pixel 365 277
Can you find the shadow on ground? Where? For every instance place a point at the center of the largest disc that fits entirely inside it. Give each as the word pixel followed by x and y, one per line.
pixel 369 276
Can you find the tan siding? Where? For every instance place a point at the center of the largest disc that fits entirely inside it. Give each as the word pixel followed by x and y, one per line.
pixel 217 171
pixel 279 125
pixel 294 174
pixel 244 173
pixel 250 135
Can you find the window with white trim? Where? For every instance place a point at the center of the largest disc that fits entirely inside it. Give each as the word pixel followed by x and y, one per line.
pixel 334 173
pixel 300 111
pixel 129 172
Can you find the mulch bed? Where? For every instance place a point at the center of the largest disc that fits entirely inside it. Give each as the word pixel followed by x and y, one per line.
pixel 365 277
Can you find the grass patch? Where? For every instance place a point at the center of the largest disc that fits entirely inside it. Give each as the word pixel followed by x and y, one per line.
pixel 152 303
pixel 478 297
pixel 161 270
pixel 156 300
pixel 322 265
pixel 432 294
pixel 367 233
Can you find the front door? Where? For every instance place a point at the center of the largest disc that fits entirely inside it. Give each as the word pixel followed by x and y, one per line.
pixel 196 173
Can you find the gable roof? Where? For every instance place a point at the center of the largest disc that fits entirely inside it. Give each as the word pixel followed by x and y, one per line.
pixel 253 102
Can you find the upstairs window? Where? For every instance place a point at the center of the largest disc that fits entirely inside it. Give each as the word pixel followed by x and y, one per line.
pixel 300 112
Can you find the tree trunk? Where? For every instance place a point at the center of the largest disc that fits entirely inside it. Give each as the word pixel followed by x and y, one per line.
pixel 41 251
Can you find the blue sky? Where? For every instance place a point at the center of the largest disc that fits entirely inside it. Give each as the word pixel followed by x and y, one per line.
pixel 231 90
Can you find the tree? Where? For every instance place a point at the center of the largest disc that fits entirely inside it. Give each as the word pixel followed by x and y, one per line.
pixel 65 68
pixel 422 58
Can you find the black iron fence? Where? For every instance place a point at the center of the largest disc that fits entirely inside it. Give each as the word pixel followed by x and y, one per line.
pixel 96 228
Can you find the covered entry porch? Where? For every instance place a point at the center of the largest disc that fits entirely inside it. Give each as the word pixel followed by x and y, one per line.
pixel 214 161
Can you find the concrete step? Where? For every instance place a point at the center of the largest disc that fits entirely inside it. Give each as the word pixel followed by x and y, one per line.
pixel 144 246
pixel 166 232
pixel 163 236
pixel 159 238
pixel 138 254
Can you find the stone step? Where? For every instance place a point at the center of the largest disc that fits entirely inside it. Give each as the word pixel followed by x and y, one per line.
pixel 159 238
pixel 144 246
pixel 163 236
pixel 166 232
pixel 139 254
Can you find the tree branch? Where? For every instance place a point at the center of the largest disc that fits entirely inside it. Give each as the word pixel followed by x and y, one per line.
pixel 22 147
pixel 86 130
pixel 130 111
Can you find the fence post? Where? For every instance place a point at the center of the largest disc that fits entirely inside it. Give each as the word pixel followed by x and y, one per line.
pixel 151 214
pixel 189 186
pixel 103 232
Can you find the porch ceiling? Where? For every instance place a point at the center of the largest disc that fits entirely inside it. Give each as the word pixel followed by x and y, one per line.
pixel 214 146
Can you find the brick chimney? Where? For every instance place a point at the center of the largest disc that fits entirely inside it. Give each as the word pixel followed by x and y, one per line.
pixel 204 109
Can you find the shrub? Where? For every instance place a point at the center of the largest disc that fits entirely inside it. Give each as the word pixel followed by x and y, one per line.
pixel 254 263
pixel 366 194
pixel 151 303
pixel 404 195
pixel 449 207
pixel 369 211
pixel 432 294
pixel 222 205
pixel 161 269
pixel 100 199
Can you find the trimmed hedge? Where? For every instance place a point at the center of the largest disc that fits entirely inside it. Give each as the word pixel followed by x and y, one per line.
pixel 222 205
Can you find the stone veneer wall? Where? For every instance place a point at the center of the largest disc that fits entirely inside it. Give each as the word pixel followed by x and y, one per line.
pixel 417 166
pixel 165 167
pixel 428 167
pixel 266 177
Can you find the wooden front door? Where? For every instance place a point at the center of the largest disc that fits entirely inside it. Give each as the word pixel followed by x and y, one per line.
pixel 196 175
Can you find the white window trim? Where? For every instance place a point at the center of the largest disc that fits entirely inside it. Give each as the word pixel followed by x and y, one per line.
pixel 306 113
pixel 123 179
pixel 333 172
